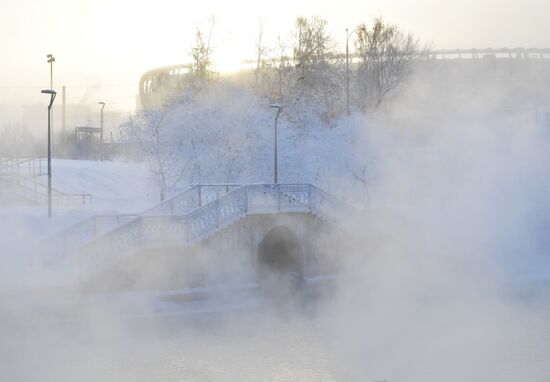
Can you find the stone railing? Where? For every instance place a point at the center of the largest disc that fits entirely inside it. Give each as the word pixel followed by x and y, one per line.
pixel 88 229
pixel 164 229
pixel 190 199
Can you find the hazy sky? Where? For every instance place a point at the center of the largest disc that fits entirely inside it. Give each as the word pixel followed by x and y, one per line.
pixel 108 44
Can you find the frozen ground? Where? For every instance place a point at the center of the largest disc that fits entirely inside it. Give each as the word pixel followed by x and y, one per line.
pixel 121 187
pixel 116 187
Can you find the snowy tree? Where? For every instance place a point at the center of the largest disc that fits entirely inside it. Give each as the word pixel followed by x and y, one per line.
pixel 318 75
pixel 303 74
pixel 158 146
pixel 218 133
pixel 201 52
pixel 386 55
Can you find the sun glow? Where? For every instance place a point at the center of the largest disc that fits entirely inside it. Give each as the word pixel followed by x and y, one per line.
pixel 112 43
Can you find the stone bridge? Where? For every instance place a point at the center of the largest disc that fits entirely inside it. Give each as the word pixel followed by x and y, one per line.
pixel 212 234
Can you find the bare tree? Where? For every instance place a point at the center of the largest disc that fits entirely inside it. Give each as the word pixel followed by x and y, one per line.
pixel 313 43
pixel 280 63
pixel 202 51
pixel 385 55
pixel 260 48
pixel 317 77
pixel 150 133
pixel 361 174
pixel 303 73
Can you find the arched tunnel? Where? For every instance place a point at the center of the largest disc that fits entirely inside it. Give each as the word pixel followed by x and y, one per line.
pixel 280 260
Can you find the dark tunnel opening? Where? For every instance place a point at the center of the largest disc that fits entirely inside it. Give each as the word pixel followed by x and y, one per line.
pixel 280 260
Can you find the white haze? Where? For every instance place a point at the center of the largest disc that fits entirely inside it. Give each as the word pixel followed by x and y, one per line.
pixel 440 284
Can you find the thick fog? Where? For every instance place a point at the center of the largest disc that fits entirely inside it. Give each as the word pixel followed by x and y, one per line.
pixel 443 277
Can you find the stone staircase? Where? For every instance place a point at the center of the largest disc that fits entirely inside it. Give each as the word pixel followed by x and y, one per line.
pixel 192 217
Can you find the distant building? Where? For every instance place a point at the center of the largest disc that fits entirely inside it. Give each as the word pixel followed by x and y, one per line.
pixel 75 115
pixel 159 85
pixel 514 69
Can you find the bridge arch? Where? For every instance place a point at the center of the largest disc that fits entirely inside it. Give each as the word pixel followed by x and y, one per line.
pixel 280 258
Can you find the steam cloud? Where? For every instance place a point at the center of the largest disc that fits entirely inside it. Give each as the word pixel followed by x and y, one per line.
pixel 440 285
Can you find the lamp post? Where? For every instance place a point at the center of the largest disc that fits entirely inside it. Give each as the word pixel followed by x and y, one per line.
pixel 275 164
pixel 101 129
pixel 52 94
pixel 348 35
pixel 51 60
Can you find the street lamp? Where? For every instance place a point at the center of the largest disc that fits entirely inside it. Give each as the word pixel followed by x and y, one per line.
pixel 51 60
pixel 275 164
pixel 101 128
pixel 52 94
pixel 348 35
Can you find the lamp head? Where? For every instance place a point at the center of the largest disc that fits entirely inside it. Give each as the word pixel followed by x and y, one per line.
pixel 275 106
pixel 48 91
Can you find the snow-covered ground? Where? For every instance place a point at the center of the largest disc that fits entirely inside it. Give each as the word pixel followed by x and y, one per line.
pixel 121 187
pixel 116 188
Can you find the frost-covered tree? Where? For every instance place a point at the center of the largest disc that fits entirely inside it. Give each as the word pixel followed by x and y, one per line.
pixel 217 133
pixel 158 145
pixel 304 75
pixel 313 45
pixel 201 52
pixel 386 55
pixel 318 76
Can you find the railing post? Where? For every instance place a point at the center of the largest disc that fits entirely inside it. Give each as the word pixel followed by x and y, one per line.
pixel 200 196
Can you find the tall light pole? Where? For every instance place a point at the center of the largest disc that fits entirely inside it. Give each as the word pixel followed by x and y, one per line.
pixel 101 129
pixel 51 60
pixel 275 164
pixel 348 35
pixel 52 94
